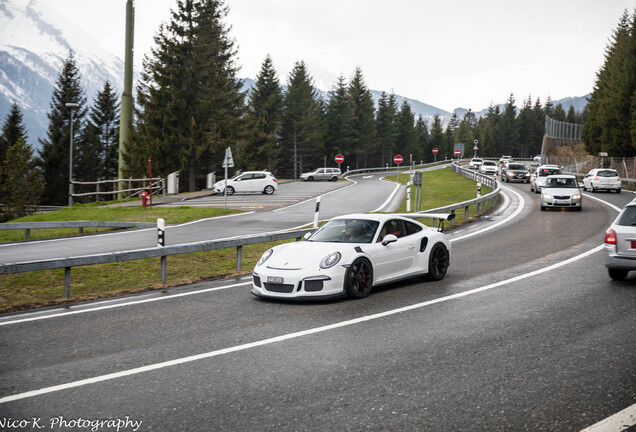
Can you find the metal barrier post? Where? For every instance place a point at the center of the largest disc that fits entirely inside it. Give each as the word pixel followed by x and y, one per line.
pixel 164 269
pixel 67 282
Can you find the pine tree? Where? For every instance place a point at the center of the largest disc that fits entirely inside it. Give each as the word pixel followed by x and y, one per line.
pixel 54 152
pixel 98 157
pixel 189 100
pixel 386 117
pixel 264 115
pixel 364 130
pixel 12 130
pixel 610 124
pixel 339 118
pixel 301 134
pixel 438 140
pixel 406 142
pixel 425 150
pixel 23 183
pixel 509 127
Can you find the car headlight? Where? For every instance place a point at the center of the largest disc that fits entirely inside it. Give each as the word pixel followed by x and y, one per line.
pixel 330 260
pixel 576 196
pixel 509 174
pixel 547 197
pixel 268 253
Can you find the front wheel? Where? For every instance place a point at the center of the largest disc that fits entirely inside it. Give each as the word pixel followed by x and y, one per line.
pixel 230 190
pixel 359 279
pixel 269 189
pixel 438 262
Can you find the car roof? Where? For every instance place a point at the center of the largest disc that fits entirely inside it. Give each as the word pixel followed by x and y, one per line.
pixel 561 176
pixel 548 166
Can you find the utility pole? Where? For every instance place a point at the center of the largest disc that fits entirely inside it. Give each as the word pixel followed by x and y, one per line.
pixel 125 120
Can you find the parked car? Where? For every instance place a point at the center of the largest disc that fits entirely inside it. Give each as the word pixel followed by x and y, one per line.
pixel 602 179
pixel 350 254
pixel 249 181
pixel 329 174
pixel 488 167
pixel 538 178
pixel 475 163
pixel 620 243
pixel 515 172
pixel 561 191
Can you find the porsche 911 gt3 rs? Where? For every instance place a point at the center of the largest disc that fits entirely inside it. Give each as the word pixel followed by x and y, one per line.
pixel 350 254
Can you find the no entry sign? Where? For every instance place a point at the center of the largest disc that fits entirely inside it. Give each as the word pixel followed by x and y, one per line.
pixel 435 151
pixel 339 158
pixel 398 159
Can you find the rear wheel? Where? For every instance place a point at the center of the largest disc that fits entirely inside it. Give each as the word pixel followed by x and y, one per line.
pixel 359 279
pixel 269 189
pixel 438 262
pixel 617 274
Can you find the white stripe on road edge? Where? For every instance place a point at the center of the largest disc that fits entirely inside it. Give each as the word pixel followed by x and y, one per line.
pixel 286 337
pixel 616 423
pixel 118 305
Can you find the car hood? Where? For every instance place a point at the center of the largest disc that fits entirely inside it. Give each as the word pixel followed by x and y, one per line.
pixel 303 254
pixel 561 191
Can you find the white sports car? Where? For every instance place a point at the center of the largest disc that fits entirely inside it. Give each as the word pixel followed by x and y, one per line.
pixel 350 254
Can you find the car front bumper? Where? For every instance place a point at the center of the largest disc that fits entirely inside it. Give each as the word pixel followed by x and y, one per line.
pixel 297 284
pixel 561 203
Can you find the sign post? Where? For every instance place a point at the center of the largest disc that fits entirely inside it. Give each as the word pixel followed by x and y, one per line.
pixel 339 159
pixel 228 162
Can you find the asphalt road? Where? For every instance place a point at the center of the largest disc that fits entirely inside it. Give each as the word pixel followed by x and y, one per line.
pixel 526 333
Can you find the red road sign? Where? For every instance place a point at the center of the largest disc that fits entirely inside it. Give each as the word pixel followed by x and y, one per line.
pixel 339 158
pixel 457 152
pixel 398 159
pixel 434 151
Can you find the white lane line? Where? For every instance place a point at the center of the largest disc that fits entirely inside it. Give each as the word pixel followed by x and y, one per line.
pixel 616 423
pixel 514 214
pixel 118 305
pixel 286 337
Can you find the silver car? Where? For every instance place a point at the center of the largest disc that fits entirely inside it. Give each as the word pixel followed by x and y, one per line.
pixel 620 243
pixel 329 174
pixel 561 191
pixel 538 178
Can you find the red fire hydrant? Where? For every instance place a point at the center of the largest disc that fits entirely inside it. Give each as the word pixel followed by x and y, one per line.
pixel 144 199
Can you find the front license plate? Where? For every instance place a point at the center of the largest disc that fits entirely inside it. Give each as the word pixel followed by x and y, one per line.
pixel 275 279
pixel 561 202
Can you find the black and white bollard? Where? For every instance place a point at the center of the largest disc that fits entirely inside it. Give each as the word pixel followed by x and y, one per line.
pixel 161 232
pixel 317 212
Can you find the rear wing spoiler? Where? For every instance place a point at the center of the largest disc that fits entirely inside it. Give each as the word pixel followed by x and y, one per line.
pixel 437 216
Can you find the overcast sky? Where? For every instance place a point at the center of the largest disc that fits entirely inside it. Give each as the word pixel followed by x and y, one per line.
pixel 461 53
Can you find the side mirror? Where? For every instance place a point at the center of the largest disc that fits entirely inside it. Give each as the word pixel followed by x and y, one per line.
pixel 389 238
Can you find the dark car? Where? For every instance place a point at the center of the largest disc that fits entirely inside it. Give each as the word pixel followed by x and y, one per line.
pixel 515 172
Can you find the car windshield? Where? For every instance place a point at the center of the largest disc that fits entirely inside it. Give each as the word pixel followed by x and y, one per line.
pixel 549 171
pixel 607 173
pixel 489 163
pixel 516 167
pixel 561 182
pixel 346 231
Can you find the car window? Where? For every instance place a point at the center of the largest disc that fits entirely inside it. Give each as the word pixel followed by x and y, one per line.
pixel 395 227
pixel 607 173
pixel 259 176
pixel 628 217
pixel 516 167
pixel 561 183
pixel 549 171
pixel 411 228
pixel 346 231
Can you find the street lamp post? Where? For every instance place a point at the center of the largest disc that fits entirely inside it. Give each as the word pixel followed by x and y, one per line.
pixel 70 157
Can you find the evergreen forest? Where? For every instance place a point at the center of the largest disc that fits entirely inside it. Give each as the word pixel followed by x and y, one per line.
pixel 189 108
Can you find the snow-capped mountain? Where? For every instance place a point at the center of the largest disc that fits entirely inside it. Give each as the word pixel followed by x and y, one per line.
pixel 34 42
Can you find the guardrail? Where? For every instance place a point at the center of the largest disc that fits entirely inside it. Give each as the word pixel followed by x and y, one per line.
pixel 28 226
pixel 482 203
pixel 162 252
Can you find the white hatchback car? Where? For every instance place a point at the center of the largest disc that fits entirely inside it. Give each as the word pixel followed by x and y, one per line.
pixel 488 167
pixel 249 181
pixel 602 179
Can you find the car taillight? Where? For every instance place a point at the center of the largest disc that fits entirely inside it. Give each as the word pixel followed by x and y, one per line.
pixel 618 178
pixel 595 177
pixel 610 237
